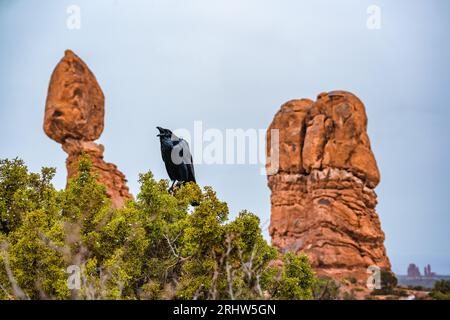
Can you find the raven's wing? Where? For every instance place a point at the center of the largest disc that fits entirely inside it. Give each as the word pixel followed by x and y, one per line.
pixel 166 153
pixel 188 171
pixel 171 170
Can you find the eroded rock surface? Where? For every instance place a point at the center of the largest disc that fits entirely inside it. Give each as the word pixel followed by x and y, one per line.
pixel 323 198
pixel 74 117
pixel 75 106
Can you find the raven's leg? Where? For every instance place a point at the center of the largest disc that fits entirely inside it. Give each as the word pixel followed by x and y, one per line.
pixel 179 184
pixel 171 187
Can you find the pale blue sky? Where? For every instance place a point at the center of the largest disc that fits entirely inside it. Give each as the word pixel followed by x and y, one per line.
pixel 231 64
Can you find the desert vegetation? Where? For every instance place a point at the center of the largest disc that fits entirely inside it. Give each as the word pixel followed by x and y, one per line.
pixel 72 244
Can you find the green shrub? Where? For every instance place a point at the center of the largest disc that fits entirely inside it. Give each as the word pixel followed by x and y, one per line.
pixel 441 290
pixel 388 279
pixel 326 288
pixel 156 247
pixel 294 280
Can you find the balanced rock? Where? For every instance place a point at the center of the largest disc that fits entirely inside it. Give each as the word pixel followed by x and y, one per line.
pixel 74 117
pixel 75 106
pixel 323 199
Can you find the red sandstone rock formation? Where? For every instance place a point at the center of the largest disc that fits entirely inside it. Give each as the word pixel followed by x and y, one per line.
pixel 323 198
pixel 74 117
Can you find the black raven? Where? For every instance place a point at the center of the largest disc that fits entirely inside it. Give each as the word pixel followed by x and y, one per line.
pixel 177 157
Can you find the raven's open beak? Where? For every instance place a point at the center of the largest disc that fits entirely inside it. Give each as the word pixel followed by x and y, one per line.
pixel 160 131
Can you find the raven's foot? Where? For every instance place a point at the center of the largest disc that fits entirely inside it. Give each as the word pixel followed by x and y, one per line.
pixel 179 184
pixel 171 189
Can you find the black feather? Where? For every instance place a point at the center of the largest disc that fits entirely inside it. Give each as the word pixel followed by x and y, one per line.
pixel 176 156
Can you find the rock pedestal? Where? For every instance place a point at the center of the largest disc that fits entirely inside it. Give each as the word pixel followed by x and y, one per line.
pixel 74 117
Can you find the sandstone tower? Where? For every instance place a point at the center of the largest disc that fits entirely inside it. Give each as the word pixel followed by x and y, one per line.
pixel 323 198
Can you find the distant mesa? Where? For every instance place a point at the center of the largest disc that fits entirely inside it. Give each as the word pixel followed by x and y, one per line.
pixel 414 272
pixel 427 272
pixel 74 117
pixel 322 196
pixel 414 278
